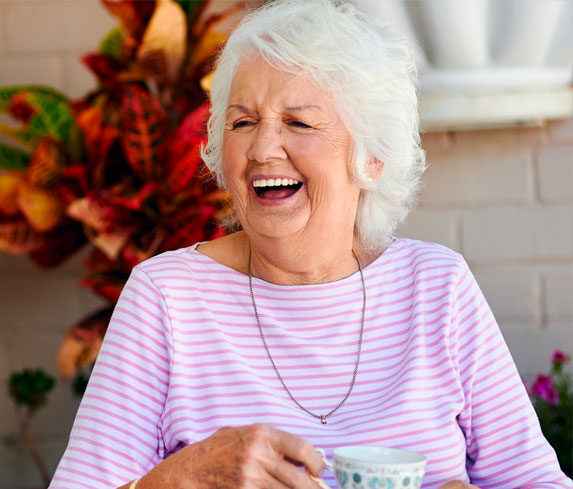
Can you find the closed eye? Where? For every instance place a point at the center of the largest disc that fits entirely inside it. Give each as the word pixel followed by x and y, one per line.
pixel 299 124
pixel 243 123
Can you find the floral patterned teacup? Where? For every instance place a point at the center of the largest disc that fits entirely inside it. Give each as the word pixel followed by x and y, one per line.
pixel 365 467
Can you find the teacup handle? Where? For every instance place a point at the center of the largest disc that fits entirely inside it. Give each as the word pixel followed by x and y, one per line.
pixel 326 463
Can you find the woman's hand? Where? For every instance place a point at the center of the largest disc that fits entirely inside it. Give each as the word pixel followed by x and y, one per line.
pixel 255 457
pixel 457 485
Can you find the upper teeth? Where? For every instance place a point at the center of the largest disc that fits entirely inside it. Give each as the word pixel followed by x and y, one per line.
pixel 274 182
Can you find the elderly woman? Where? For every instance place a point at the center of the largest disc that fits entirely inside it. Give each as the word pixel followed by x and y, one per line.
pixel 228 362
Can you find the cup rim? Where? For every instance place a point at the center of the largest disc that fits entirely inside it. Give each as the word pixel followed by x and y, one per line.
pixel 338 453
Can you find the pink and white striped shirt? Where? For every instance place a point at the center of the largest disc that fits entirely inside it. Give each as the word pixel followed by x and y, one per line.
pixel 183 357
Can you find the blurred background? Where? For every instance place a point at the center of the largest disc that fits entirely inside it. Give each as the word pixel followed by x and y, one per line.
pixel 496 109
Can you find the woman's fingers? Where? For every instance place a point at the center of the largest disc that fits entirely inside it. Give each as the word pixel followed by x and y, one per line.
pixel 291 475
pixel 254 457
pixel 297 450
pixel 457 485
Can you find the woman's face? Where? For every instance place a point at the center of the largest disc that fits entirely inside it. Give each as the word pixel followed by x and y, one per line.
pixel 286 157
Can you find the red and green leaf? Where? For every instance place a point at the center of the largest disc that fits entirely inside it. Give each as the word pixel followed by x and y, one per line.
pixel 52 117
pixel 144 125
pixel 107 70
pixel 19 108
pixel 23 135
pixel 6 94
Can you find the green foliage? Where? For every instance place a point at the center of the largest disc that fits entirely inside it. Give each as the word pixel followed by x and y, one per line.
pixel 21 135
pixel 52 116
pixel 189 6
pixel 13 158
pixel 80 383
pixel 552 397
pixel 112 43
pixel 30 387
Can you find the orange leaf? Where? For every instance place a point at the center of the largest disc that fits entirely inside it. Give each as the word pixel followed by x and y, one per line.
pixel 206 82
pixel 10 182
pixel 46 164
pixel 89 121
pixel 210 34
pixel 42 207
pixel 208 45
pixel 82 342
pixel 134 14
pixel 164 43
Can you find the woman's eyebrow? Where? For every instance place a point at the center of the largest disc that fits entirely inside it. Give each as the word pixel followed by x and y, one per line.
pixel 290 108
pixel 300 108
pixel 240 107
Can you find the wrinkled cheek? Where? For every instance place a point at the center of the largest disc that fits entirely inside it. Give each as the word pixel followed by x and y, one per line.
pixel 321 195
pixel 238 195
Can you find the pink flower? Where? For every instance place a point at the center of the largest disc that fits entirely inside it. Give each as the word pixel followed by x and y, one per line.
pixel 559 357
pixel 543 389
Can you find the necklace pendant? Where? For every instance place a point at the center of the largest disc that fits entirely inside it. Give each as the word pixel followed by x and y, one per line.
pixel 323 419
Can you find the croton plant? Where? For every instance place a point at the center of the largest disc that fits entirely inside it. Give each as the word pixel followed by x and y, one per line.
pixel 119 169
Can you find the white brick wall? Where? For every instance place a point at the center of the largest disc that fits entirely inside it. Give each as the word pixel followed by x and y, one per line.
pixel 503 198
pixel 555 174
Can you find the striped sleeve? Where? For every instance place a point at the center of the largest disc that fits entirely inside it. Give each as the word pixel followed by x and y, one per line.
pixel 505 447
pixel 116 435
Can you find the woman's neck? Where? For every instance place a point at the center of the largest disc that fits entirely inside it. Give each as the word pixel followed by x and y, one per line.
pixel 285 263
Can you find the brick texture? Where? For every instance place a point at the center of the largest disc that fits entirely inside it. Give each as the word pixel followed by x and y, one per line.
pixel 486 176
pixel 561 132
pixel 48 26
pixel 2 42
pixel 555 172
pixel 512 293
pixel 78 80
pixel 38 70
pixel 518 234
pixel 558 293
pixel 532 348
pixel 427 225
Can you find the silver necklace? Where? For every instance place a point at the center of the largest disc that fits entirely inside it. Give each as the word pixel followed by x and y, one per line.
pixel 322 417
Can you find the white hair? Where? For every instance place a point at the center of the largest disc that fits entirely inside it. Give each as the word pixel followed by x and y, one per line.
pixel 371 76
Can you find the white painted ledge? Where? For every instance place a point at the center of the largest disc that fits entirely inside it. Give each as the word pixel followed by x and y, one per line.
pixel 443 111
pixel 487 63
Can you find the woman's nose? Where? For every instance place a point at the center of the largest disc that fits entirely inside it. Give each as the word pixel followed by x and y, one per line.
pixel 268 143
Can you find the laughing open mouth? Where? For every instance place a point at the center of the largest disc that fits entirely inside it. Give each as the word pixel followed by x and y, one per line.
pixel 276 188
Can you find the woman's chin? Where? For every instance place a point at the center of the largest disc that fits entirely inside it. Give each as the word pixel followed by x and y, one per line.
pixel 276 225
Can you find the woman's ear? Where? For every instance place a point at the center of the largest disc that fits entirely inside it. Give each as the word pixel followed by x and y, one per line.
pixel 374 168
